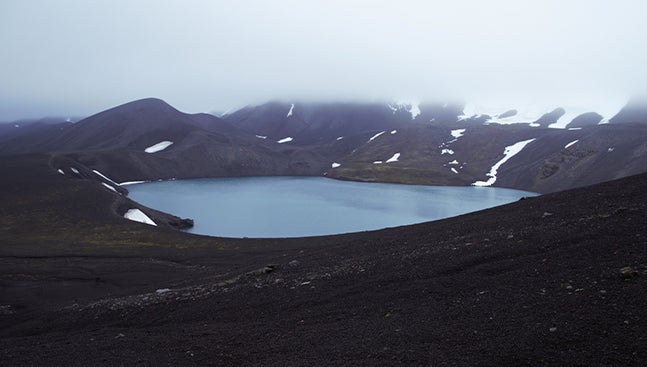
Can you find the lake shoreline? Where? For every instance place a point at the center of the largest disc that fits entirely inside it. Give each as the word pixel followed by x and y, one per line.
pixel 329 202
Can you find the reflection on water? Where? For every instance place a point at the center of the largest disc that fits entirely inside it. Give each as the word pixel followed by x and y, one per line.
pixel 308 206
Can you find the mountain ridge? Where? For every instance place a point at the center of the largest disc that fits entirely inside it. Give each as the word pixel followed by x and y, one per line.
pixel 348 141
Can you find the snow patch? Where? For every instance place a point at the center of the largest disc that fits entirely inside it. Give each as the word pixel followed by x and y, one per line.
pixel 335 165
pixel 131 183
pixel 378 162
pixel 611 149
pixel 74 170
pixel 447 151
pixel 525 113
pixel 227 112
pixel 508 152
pixel 375 136
pixel 158 147
pixel 395 158
pixel 109 187
pixel 285 140
pixel 415 110
pixel 291 109
pixel 393 132
pixel 261 136
pixel 340 138
pixel 568 116
pixel 16 125
pixel 453 162
pixel 570 144
pixel 61 172
pixel 454 170
pixel 104 177
pixel 138 216
pixel 458 133
pixel 607 108
pixel 574 128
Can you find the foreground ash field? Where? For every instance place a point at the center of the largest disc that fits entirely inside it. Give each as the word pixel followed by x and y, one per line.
pixel 556 280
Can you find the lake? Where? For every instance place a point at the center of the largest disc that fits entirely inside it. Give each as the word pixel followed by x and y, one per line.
pixel 309 206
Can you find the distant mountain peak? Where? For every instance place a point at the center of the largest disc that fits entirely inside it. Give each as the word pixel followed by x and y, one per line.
pixel 634 111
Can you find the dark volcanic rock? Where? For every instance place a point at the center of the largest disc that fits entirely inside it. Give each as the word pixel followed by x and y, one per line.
pixel 30 138
pixel 508 113
pixel 585 119
pixel 507 286
pixel 634 112
pixel 182 223
pixel 439 112
pixel 628 272
pixel 550 117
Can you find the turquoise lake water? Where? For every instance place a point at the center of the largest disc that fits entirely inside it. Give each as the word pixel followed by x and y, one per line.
pixel 309 206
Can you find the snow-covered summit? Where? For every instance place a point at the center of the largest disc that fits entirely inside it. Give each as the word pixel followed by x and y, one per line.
pixel 500 113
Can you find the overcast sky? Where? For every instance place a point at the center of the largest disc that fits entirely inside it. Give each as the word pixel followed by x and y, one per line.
pixel 70 57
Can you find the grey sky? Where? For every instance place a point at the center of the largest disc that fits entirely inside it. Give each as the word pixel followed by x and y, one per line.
pixel 70 57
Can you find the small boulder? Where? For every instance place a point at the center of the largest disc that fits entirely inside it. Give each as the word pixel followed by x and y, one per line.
pixel 181 223
pixel 628 272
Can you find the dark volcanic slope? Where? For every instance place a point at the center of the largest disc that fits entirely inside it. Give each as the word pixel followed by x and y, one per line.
pixel 537 282
pixel 555 160
pixel 115 142
pixel 311 123
pixel 634 112
pixel 135 125
pixel 29 138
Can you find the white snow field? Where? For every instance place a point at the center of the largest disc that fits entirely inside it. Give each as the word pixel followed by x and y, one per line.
pixel 158 147
pixel 138 216
pixel 570 144
pixel 375 136
pixel 131 183
pixel 394 158
pixel 109 187
pixel 458 133
pixel 531 112
pixel 285 140
pixel 104 177
pixel 508 152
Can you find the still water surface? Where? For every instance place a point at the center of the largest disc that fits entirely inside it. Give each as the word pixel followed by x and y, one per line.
pixel 308 206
